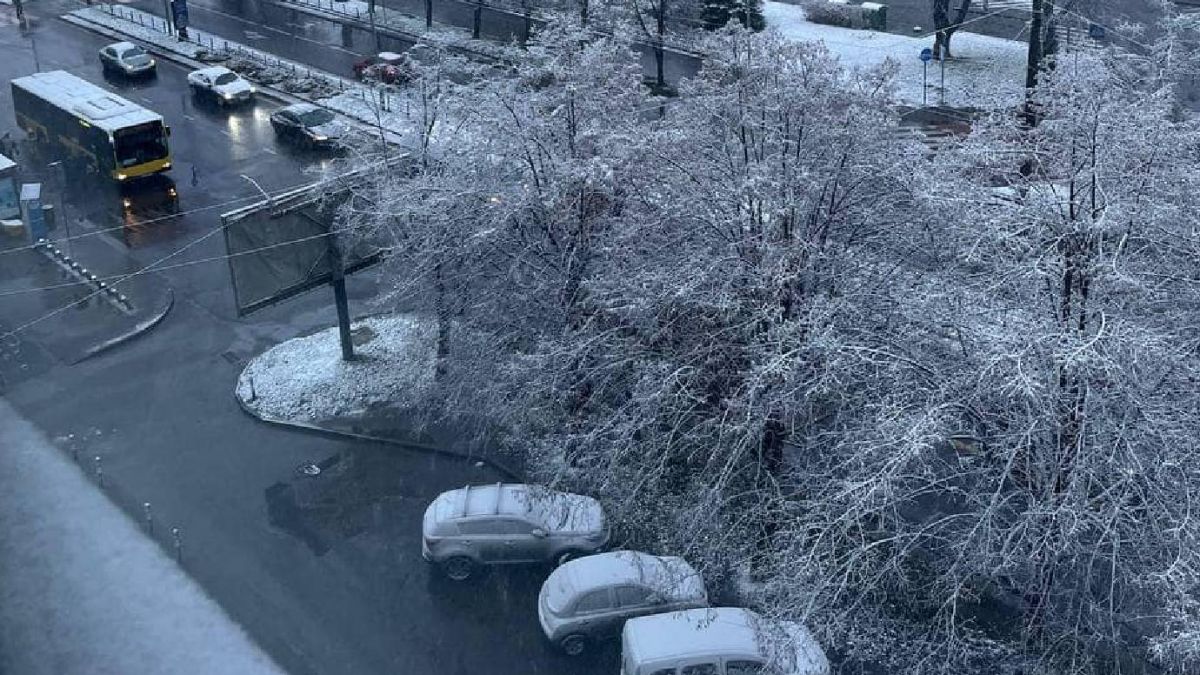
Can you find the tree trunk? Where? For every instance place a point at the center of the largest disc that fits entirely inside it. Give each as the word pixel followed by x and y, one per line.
pixel 946 29
pixel 658 44
pixel 442 310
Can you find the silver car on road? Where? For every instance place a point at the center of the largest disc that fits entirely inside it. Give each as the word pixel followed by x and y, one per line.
pixel 590 598
pixel 504 524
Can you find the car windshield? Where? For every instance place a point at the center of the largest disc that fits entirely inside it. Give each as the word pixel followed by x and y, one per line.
pixel 132 51
pixel 226 78
pixel 140 144
pixel 315 118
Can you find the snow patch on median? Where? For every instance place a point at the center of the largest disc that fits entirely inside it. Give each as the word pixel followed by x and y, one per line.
pixel 306 380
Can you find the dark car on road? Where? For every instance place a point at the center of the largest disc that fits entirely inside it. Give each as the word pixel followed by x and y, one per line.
pixel 308 125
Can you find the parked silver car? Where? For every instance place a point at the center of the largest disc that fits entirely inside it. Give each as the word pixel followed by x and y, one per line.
pixel 590 598
pixel 505 524
pixel 127 59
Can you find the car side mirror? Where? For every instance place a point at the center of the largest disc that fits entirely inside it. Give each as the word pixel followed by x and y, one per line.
pixel 539 533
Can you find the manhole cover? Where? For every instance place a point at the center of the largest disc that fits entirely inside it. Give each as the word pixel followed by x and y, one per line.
pixel 309 469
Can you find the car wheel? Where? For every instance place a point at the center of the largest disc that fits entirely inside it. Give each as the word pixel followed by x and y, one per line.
pixel 573 645
pixel 458 568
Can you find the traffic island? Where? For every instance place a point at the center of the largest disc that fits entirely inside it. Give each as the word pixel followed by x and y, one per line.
pixel 382 395
pixel 80 297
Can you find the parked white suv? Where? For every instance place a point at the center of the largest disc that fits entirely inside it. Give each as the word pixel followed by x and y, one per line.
pixel 505 524
pixel 591 598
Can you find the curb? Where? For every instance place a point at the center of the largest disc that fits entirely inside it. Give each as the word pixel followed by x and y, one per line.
pixel 310 428
pixel 135 332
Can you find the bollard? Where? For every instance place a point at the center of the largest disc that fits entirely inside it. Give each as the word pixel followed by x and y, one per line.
pixel 177 541
pixel 149 517
pixel 99 471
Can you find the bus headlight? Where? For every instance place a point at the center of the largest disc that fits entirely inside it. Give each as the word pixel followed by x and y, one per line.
pixel 227 96
pixel 166 165
pixel 121 176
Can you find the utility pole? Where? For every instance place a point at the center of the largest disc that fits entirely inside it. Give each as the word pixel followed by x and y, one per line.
pixel 374 30
pixel 1034 61
pixel 429 13
pixel 338 281
pixel 167 16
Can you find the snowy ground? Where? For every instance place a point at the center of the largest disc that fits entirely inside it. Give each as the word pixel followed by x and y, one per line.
pixel 986 72
pixel 82 590
pixel 306 380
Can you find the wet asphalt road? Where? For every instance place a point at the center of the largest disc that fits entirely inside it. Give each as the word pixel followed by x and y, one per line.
pixel 324 572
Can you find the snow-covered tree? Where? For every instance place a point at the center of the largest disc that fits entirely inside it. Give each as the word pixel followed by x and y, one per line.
pixel 1041 508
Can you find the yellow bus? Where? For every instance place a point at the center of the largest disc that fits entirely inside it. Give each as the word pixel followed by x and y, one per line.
pixel 111 134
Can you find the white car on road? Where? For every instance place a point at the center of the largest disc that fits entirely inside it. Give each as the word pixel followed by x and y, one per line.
pixel 221 85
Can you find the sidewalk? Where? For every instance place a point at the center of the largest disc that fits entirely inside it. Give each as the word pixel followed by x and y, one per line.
pixel 84 592
pixel 42 298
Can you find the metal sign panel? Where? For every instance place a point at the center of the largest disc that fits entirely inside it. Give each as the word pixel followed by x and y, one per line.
pixel 279 248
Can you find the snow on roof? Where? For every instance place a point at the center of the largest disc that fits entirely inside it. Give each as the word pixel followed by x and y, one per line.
pixel 118 46
pixel 86 591
pixel 300 108
pixel 212 70
pixel 6 163
pixel 390 56
pixel 672 576
pixel 556 511
pixel 732 631
pixel 83 99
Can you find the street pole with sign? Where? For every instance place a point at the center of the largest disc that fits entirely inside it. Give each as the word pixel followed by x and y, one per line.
pixel 926 57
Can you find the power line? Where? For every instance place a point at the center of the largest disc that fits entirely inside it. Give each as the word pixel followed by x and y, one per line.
pixel 147 222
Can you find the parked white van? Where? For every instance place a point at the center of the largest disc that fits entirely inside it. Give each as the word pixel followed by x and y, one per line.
pixel 718 641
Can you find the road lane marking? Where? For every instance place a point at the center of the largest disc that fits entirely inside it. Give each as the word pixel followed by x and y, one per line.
pixel 270 150
pixel 189 118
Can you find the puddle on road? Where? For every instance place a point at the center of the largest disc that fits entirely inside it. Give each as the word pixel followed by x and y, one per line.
pixel 375 494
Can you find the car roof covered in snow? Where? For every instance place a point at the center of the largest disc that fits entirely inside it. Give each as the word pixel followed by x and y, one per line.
pixel 212 71
pixel 730 631
pixel 121 46
pixel 96 105
pixel 299 108
pixel 556 511
pixel 672 576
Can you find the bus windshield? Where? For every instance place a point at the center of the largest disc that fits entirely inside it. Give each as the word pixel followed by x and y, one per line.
pixel 140 144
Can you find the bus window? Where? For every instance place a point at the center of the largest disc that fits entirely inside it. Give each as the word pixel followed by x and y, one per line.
pixel 140 144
